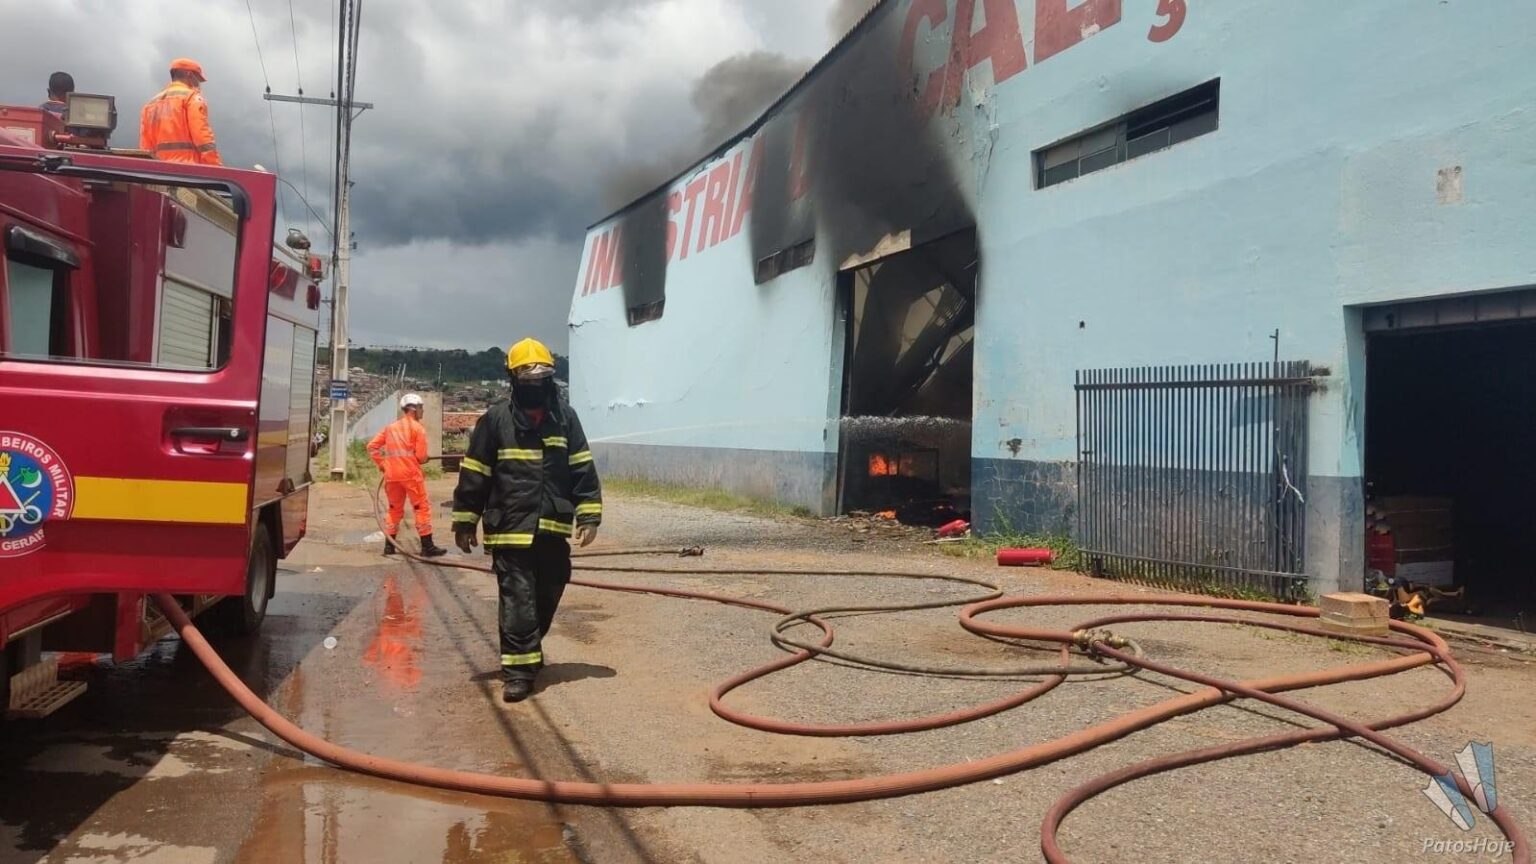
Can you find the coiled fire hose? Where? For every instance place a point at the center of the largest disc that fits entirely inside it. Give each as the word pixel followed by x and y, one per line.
pixel 1415 647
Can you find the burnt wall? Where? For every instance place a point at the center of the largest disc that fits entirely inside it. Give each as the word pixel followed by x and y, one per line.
pixel 856 155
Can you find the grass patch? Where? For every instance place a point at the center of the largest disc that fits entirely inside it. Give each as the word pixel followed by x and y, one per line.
pixel 362 472
pixel 1066 555
pixel 708 499
pixel 1338 646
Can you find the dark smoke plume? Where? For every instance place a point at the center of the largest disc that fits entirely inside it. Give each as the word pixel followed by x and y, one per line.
pixel 728 97
pixel 736 90
pixel 845 14
pixel 627 182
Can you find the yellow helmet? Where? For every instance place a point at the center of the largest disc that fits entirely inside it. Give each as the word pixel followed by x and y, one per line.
pixel 530 359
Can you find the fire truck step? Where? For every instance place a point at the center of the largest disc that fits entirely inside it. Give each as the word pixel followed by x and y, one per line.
pixel 37 691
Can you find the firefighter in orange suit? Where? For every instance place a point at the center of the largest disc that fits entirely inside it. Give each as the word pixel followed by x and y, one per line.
pixel 400 450
pixel 174 125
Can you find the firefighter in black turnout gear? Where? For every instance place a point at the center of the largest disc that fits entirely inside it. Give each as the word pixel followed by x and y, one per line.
pixel 529 477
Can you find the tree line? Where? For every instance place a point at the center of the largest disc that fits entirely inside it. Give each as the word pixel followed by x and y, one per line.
pixel 450 365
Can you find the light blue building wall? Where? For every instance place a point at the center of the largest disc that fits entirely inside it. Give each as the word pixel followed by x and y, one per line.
pixel 1367 152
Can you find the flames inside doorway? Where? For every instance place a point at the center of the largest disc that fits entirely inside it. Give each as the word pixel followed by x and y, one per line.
pixel 906 426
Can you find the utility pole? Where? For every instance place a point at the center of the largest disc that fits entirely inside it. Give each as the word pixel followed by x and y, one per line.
pixel 340 365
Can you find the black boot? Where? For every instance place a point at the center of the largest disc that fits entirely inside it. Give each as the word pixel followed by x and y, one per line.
pixel 516 689
pixel 389 545
pixel 429 549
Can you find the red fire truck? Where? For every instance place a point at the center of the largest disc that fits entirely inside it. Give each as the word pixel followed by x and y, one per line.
pixel 157 353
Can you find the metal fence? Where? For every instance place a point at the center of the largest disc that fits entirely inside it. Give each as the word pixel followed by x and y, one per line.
pixel 1194 477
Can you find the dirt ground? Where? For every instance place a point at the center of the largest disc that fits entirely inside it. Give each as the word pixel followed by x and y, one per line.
pixel 156 764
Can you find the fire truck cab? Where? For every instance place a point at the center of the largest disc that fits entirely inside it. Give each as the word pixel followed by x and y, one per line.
pixel 157 355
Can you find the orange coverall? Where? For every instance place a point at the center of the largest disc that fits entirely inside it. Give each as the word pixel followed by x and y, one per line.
pixel 174 127
pixel 400 450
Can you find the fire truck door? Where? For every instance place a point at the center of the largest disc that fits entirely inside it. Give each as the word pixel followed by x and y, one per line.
pixel 128 465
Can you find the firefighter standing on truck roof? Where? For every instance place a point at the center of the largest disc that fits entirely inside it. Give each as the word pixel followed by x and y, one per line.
pixel 400 449
pixel 174 125
pixel 60 85
pixel 529 475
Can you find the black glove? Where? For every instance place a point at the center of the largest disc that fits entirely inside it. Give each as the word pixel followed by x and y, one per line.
pixel 464 537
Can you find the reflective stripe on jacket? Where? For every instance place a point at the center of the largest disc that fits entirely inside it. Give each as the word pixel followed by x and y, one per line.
pixel 523 481
pixel 174 127
pixel 400 449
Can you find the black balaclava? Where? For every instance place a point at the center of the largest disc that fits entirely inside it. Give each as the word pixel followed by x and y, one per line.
pixel 528 395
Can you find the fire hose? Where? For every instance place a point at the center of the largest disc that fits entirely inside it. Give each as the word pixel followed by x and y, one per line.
pixel 1415 647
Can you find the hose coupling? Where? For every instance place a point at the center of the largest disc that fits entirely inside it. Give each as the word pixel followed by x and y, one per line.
pixel 1088 639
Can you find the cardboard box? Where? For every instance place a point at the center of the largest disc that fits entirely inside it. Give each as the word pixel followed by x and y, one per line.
pixel 1352 612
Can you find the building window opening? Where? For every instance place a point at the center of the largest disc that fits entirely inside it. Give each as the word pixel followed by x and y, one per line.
pixel 646 312
pixel 905 447
pixel 1450 416
pixel 1158 126
pixel 785 260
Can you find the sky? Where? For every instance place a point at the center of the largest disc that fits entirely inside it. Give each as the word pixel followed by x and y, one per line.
pixel 501 128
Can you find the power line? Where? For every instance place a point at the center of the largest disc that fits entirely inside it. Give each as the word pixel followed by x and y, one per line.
pixel 341 112
pixel 310 207
pixel 335 129
pixel 347 109
pixel 298 79
pixel 277 161
pixel 259 59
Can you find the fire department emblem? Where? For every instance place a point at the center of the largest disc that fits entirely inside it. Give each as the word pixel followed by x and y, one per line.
pixel 35 487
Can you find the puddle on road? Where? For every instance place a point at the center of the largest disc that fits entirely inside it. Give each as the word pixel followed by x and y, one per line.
pixel 395 650
pixel 320 816
pixel 156 763
pixel 393 669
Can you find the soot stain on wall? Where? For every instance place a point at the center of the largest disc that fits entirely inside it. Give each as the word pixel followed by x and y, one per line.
pixel 871 160
pixel 853 155
pixel 642 250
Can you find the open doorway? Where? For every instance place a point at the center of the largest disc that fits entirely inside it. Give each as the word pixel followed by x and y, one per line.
pixel 1450 421
pixel 905 445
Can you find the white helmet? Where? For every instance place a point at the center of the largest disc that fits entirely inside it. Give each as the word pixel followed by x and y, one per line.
pixel 410 400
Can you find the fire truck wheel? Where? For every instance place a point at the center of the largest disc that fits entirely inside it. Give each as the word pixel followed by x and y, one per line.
pixel 242 615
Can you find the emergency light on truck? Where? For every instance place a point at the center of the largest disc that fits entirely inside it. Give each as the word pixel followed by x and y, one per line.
pixel 90 114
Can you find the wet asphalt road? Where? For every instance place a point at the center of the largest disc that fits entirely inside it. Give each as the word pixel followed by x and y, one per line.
pixel 156 764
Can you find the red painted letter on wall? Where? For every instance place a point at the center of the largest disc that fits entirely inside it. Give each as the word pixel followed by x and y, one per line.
pixel 934 12
pixel 674 205
pixel 1058 27
pixel 748 184
pixel 714 207
pixel 729 216
pixel 616 254
pixel 799 158
pixel 691 196
pixel 599 265
pixel 1173 11
pixel 999 41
